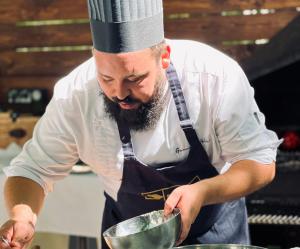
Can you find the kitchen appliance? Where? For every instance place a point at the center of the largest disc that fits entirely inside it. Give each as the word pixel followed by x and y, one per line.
pixel 274 211
pixel 278 203
pixel 27 100
pixel 273 71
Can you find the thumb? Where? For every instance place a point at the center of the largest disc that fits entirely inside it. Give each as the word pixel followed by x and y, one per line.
pixel 23 234
pixel 172 202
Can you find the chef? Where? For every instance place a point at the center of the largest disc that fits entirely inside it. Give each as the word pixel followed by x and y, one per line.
pixel 164 123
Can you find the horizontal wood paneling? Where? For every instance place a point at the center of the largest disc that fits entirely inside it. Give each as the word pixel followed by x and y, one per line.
pixel 20 10
pixel 41 69
pixel 215 29
pixel 40 36
pixel 7 83
pixel 28 75
pixel 61 63
pixel 210 29
pixel 11 11
pixel 239 52
pixel 213 6
pixel 40 63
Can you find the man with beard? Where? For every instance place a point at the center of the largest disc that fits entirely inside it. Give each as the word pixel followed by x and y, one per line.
pixel 145 115
pixel 165 124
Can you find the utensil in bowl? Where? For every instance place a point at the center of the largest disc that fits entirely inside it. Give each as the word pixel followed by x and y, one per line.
pixel 5 241
pixel 147 231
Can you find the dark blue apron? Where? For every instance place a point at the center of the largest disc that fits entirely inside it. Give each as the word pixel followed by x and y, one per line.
pixel 145 188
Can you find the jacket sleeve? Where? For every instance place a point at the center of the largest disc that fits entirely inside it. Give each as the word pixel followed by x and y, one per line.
pixel 240 125
pixel 52 151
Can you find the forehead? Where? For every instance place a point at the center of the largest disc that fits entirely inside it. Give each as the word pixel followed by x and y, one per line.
pixel 108 63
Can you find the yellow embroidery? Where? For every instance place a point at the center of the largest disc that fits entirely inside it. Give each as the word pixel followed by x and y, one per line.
pixel 163 193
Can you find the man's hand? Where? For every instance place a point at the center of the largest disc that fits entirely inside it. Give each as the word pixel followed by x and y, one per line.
pixel 188 199
pixel 24 199
pixel 241 179
pixel 18 234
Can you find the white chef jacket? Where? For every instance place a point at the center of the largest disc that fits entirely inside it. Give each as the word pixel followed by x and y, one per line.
pixel 220 103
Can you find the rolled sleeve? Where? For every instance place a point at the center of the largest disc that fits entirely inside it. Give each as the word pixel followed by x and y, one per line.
pixel 239 124
pixel 50 154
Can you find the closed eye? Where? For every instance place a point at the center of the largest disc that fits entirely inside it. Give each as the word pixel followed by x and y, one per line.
pixel 133 80
pixel 107 80
pixel 137 79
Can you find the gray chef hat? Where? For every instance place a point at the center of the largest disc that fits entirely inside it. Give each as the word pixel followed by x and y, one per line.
pixel 126 25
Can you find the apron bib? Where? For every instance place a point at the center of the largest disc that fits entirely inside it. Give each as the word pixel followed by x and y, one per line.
pixel 146 188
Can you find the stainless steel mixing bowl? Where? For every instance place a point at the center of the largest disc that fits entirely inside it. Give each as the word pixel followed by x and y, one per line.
pixel 147 231
pixel 219 246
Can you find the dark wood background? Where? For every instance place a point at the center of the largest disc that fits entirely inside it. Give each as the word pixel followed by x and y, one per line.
pixel 220 23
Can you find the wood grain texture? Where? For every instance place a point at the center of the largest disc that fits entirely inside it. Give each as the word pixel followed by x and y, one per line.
pixel 6 83
pixel 210 29
pixel 215 29
pixel 60 63
pixel 30 78
pixel 213 6
pixel 40 63
pixel 18 10
pixel 239 52
pixel 23 123
pixel 40 69
pixel 39 36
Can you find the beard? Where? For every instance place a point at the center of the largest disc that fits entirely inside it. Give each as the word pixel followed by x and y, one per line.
pixel 142 118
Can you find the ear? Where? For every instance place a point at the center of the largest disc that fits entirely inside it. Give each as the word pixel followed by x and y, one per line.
pixel 165 57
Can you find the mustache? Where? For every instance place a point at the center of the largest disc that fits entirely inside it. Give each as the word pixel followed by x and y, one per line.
pixel 127 100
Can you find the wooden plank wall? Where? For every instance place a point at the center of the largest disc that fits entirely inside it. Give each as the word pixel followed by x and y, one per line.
pixel 220 23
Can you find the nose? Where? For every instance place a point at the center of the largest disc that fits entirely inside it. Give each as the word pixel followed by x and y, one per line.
pixel 121 91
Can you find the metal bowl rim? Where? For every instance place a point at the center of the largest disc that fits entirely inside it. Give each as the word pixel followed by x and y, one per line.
pixel 227 245
pixel 176 212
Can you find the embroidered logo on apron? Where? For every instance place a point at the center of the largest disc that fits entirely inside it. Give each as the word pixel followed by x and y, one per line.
pixel 163 193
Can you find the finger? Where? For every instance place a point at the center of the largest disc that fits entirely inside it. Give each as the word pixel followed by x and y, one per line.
pixel 4 242
pixel 7 234
pixel 23 234
pixel 4 246
pixel 184 233
pixel 185 227
pixel 26 245
pixel 16 245
pixel 172 202
pixel 21 243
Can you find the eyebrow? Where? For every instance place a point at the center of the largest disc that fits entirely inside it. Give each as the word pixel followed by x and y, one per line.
pixel 133 75
pixel 103 75
pixel 137 75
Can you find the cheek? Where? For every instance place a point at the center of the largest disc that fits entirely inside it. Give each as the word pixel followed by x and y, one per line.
pixel 105 89
pixel 145 90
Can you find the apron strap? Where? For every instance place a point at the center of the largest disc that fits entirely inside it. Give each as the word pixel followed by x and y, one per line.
pixel 182 111
pixel 124 133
